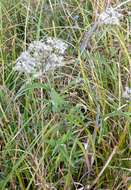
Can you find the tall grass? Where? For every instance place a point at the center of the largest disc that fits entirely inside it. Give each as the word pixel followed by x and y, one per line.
pixel 71 128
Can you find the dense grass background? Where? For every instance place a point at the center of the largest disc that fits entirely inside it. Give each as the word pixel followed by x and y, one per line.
pixel 45 123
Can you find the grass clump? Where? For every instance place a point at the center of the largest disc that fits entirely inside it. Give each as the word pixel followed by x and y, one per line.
pixel 69 128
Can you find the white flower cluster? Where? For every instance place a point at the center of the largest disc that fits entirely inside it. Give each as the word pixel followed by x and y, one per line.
pixel 42 56
pixel 110 17
pixel 127 93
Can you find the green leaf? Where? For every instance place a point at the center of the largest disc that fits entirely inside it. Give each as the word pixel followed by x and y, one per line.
pixel 57 101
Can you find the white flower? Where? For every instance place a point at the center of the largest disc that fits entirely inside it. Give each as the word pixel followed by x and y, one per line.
pixel 86 145
pixel 38 47
pixel 57 44
pixel 127 93
pixel 42 56
pixel 110 17
pixel 53 62
pixel 25 63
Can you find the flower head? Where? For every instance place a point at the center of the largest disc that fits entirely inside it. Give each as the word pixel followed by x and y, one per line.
pixel 110 17
pixel 25 63
pixel 42 56
pixel 127 93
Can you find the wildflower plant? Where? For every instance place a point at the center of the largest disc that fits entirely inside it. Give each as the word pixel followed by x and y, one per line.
pixel 72 130
pixel 42 56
